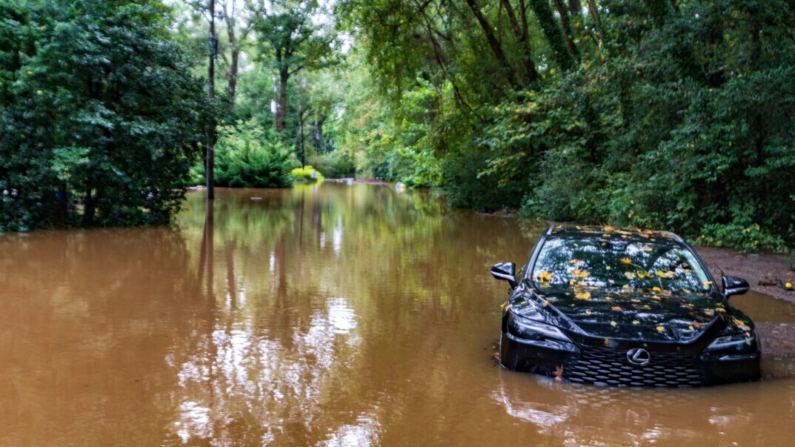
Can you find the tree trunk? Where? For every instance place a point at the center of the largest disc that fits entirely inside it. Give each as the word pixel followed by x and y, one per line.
pixel 566 23
pixel 575 8
pixel 496 48
pixel 233 66
pixel 281 111
pixel 90 208
pixel 595 15
pixel 209 168
pixel 552 32
pixel 521 36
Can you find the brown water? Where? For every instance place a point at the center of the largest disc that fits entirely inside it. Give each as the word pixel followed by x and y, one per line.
pixel 331 316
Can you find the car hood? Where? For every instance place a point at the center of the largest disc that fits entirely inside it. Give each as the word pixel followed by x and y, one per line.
pixel 649 316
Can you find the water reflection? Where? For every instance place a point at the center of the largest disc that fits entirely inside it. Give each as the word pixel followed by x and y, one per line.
pixel 345 315
pixel 587 415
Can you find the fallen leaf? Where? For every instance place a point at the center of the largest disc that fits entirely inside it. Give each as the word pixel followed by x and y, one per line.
pixel 661 274
pixel 646 248
pixel 583 296
pixel 558 374
pixel 626 261
pixel 613 323
pixel 546 303
pixel 660 328
pixel 580 274
pixel 643 274
pixel 588 312
pixel 575 262
pixel 544 276
pixel 617 308
pixel 629 275
pixel 635 322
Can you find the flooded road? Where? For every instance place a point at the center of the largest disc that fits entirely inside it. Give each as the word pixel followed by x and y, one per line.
pixel 320 316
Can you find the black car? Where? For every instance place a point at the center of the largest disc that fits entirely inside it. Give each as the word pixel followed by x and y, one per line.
pixel 608 306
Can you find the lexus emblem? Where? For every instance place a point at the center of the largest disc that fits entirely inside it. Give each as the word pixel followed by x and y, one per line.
pixel 638 356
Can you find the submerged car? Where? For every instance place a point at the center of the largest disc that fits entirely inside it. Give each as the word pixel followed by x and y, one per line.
pixel 608 306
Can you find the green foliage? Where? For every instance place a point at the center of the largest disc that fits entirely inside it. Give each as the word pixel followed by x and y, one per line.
pixel 746 239
pixel 306 174
pixel 248 157
pixel 337 164
pixel 670 115
pixel 99 118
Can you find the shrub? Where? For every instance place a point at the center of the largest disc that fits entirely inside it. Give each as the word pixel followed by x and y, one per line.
pixel 305 174
pixel 100 117
pixel 337 164
pixel 247 157
pixel 745 239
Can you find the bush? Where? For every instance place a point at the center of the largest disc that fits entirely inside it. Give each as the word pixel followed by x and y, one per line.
pixel 467 186
pixel 337 164
pixel 247 157
pixel 100 118
pixel 305 174
pixel 745 239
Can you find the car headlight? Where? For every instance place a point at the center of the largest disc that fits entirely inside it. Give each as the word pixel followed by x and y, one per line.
pixel 532 329
pixel 733 344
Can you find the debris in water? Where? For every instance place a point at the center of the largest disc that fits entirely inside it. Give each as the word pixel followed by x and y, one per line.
pixel 558 373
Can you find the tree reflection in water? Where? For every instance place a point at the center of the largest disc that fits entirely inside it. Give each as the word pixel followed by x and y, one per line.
pixel 330 316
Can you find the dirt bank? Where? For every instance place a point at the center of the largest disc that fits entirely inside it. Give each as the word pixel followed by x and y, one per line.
pixel 766 272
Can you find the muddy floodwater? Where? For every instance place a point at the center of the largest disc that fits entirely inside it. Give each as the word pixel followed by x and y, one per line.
pixel 334 315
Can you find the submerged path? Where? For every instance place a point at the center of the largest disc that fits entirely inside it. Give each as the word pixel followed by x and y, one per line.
pixel 331 315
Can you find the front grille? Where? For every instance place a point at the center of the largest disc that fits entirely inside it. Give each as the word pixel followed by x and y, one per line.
pixel 606 366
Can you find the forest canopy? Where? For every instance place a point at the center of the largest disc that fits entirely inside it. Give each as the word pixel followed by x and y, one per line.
pixel 655 113
pixel 666 114
pixel 100 117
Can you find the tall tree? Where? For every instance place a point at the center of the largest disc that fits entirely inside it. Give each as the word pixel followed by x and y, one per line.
pixel 288 34
pixel 239 22
pixel 98 108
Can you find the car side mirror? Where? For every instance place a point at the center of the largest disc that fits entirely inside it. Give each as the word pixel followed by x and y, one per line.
pixel 505 271
pixel 734 286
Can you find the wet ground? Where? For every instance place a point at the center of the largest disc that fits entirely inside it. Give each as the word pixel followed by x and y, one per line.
pixel 339 315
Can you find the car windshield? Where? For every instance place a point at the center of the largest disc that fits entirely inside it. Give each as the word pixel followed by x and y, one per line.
pixel 613 262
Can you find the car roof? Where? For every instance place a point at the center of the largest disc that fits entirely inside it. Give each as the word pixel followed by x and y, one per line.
pixel 610 232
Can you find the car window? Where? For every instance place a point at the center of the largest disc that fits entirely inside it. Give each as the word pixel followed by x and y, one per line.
pixel 596 262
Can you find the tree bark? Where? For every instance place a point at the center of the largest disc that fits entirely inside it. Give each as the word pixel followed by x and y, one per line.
pixel 546 19
pixel 566 23
pixel 521 36
pixel 496 48
pixel 233 65
pixel 575 8
pixel 90 208
pixel 597 23
pixel 210 152
pixel 281 111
